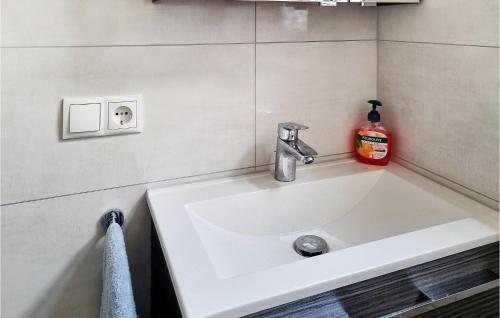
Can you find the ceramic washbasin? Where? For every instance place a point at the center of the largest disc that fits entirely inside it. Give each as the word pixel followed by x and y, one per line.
pixel 228 243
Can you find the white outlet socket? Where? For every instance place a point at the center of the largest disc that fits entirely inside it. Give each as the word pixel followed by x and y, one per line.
pixel 119 115
pixel 122 115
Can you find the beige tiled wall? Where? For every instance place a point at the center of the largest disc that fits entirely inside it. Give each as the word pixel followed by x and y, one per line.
pixel 323 84
pixel 182 105
pixel 438 76
pixel 216 75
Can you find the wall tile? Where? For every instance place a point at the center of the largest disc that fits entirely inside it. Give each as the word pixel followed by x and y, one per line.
pixel 278 22
pixel 324 85
pixel 52 250
pixel 199 116
pixel 52 254
pixel 442 21
pixel 121 22
pixel 442 102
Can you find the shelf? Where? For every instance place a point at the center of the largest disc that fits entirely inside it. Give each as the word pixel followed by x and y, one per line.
pixel 330 3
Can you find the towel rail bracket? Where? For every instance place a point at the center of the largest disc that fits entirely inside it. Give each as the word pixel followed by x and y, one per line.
pixel 112 216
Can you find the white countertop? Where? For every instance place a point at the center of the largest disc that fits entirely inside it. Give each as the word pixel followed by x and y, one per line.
pixel 193 220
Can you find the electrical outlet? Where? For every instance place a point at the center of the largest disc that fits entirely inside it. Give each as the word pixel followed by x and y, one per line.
pixel 122 115
pixel 100 116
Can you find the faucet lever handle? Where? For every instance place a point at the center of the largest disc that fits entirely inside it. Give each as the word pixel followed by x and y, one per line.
pixel 290 131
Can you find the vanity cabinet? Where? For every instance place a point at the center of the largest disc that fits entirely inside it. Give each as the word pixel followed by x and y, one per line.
pixel 460 285
pixel 463 285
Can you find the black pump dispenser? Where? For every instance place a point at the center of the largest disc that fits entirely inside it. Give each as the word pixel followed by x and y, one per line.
pixel 374 115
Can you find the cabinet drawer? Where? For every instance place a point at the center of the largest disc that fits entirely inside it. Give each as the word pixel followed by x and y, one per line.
pixel 483 305
pixel 464 284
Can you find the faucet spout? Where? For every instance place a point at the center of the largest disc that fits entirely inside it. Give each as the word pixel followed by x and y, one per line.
pixel 308 160
pixel 289 150
pixel 298 149
pixel 306 151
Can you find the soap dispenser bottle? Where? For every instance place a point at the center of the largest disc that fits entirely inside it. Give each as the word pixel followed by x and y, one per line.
pixel 373 142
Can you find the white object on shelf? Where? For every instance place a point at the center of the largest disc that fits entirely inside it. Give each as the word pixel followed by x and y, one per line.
pixel 102 116
pixel 329 3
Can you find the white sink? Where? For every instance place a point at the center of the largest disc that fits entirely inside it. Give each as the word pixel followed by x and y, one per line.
pixel 229 243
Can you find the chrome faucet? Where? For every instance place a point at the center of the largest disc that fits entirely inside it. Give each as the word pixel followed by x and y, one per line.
pixel 289 149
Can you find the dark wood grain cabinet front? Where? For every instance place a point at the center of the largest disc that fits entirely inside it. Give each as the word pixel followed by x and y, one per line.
pixel 461 285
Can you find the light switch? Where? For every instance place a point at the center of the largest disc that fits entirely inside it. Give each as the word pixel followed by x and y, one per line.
pixel 84 117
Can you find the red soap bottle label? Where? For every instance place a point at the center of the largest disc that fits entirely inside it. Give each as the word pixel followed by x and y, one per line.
pixel 372 144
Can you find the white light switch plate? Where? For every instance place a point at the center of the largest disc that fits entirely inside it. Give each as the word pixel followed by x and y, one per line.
pixel 84 117
pixel 118 115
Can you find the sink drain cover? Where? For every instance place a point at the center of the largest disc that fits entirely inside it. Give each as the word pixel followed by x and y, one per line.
pixel 310 245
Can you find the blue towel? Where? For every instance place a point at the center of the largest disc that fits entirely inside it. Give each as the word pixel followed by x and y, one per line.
pixel 117 300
